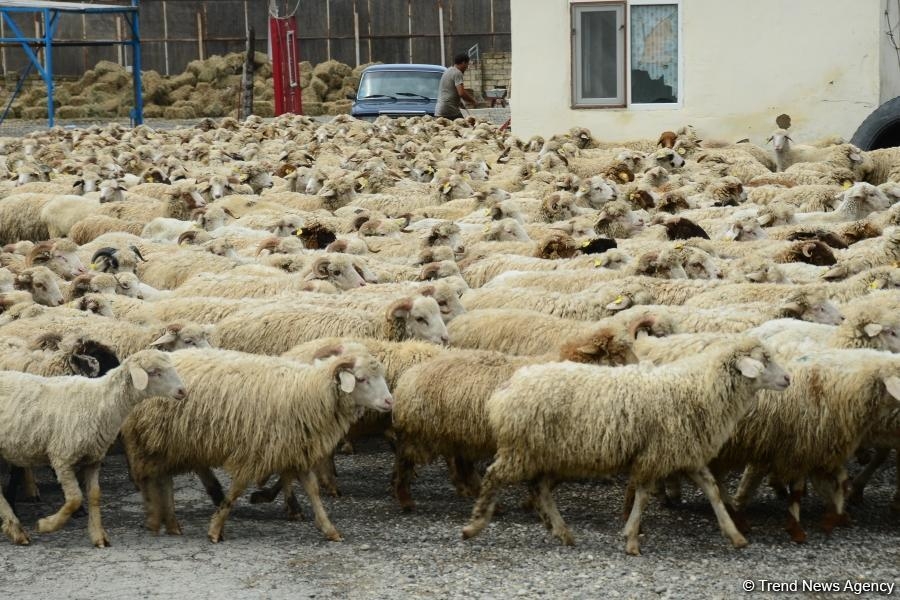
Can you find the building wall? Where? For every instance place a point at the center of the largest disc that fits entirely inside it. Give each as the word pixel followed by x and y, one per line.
pixel 890 60
pixel 744 63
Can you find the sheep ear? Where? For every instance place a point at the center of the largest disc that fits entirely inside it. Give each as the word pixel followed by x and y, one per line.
pixel 793 308
pixel 769 141
pixel 166 338
pixel 749 367
pixel 873 329
pixel 139 378
pixel 765 219
pixel 620 303
pixel 837 272
pixel 400 309
pixel 347 381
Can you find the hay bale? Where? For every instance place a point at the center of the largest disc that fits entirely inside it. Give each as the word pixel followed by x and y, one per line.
pixel 182 93
pixel 34 112
pixel 233 63
pixel 152 111
pixel 186 78
pixel 156 89
pixel 179 112
pixel 332 73
pixel 307 96
pixel 78 100
pixel 264 108
pixel 260 59
pixel 341 94
pixel 339 107
pixel 214 109
pixel 265 71
pixel 105 66
pixel 72 112
pixel 318 87
pixel 106 108
pixel 313 109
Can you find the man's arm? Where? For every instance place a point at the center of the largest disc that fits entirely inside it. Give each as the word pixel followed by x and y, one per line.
pixel 464 94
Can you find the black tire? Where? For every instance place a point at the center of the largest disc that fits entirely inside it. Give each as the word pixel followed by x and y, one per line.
pixel 881 129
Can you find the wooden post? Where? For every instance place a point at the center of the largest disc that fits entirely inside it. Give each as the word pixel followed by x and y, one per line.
pixel 356 32
pixel 200 35
pixel 165 36
pixel 3 49
pixel 247 81
pixel 409 28
pixel 328 29
pixel 119 48
pixel 441 29
pixel 369 6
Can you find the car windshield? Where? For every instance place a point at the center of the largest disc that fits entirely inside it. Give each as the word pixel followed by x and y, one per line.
pixel 405 83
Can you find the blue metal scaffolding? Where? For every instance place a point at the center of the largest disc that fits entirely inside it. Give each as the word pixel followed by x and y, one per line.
pixel 51 12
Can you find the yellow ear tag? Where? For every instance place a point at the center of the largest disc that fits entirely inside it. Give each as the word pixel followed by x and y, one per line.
pixel 243 178
pixel 299 232
pixel 585 243
pixel 52 175
pixel 682 151
pixel 895 264
pixel 487 212
pixel 363 181
pixel 93 266
pixel 874 285
pixel 148 179
pixel 623 176
pixel 847 185
pixel 290 170
pixel 619 300
pixel 597 262
pixel 487 228
pixel 679 246
pixel 429 170
pixel 633 196
pixel 445 188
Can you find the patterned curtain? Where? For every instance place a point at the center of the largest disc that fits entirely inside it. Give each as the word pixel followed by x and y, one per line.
pixel 654 53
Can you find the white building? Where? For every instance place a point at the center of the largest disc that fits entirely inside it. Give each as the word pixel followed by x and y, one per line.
pixel 630 69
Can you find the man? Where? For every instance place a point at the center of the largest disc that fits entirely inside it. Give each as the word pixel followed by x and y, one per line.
pixel 451 91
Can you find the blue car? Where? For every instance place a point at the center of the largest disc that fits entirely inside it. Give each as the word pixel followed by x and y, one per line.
pixel 397 91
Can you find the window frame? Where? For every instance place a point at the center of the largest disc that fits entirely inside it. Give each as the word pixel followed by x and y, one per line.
pixel 621 66
pixel 629 105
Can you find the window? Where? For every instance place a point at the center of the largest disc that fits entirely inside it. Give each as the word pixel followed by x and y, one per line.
pixel 626 54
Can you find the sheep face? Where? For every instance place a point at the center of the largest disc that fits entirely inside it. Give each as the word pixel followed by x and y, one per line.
pixel 819 310
pixel 597 191
pixel 362 378
pixel 447 300
pixel 758 366
pixel 700 265
pixel 862 199
pixel 745 230
pixel 126 284
pixel 41 283
pixel 632 158
pixel 111 191
pixel 780 140
pixel 338 270
pixel 178 336
pixel 447 234
pixel 152 374
pixel 507 230
pixel 420 318
pixel 879 334
pixel 667 159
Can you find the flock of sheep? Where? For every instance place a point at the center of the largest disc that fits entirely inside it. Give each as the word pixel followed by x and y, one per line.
pixel 252 295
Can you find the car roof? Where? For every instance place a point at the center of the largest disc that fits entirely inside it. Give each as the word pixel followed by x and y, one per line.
pixel 406 67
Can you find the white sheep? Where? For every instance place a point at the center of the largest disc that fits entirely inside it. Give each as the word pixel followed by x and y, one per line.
pixel 565 420
pixel 67 422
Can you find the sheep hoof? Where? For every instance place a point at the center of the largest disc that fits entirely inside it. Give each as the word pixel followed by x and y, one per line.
pixel 739 541
pixel 173 529
pixel 334 536
pixel 633 548
pixel 216 536
pixel 101 540
pixel 16 534
pixel 46 525
pixel 470 531
pixel 565 537
pixel 798 536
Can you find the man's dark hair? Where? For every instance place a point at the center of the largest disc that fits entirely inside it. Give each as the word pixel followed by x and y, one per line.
pixel 460 58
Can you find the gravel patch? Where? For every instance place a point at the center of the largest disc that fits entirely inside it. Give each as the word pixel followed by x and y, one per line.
pixel 389 554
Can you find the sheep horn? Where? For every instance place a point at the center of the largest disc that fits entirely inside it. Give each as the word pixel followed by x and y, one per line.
pixel 108 255
pixel 137 253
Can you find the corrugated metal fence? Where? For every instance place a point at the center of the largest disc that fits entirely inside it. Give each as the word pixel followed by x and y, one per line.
pixel 175 32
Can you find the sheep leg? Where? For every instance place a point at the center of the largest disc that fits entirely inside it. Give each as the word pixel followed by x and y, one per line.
pixel 860 481
pixel 326 473
pixel 217 524
pixel 672 491
pixel 751 479
pixel 12 528
pixel 65 474
pixel 153 503
pixel 464 476
pixel 295 513
pixel 30 491
pixel 798 536
pixel 167 495
pixel 497 475
pixel 633 525
pixel 706 482
pixel 831 489
pixel 548 510
pixel 211 485
pixel 629 499
pixel 311 487
pixel 404 471
pixel 98 535
pixel 265 495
